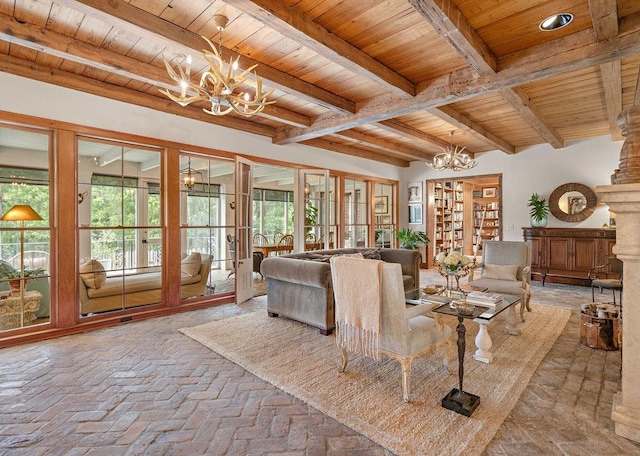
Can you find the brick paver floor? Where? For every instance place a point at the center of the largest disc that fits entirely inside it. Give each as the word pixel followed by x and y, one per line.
pixel 142 388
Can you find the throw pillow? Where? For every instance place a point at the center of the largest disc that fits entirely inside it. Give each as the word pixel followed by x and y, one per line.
pixel 93 274
pixel 190 266
pixel 500 272
pixel 371 254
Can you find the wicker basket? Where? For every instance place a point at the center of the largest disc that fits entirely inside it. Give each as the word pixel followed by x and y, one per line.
pixel 600 333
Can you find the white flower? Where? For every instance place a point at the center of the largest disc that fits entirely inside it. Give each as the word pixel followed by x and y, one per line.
pixel 452 259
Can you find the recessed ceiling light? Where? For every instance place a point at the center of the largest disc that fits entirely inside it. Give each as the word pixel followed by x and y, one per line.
pixel 556 21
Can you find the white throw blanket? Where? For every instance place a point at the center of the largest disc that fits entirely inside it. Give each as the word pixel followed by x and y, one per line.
pixel 357 290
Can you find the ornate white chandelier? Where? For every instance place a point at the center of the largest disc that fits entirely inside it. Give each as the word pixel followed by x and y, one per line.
pixel 452 158
pixel 218 86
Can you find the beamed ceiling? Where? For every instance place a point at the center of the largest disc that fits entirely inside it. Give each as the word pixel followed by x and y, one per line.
pixel 385 80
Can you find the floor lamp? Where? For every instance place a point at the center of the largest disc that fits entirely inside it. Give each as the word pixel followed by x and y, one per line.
pixel 21 213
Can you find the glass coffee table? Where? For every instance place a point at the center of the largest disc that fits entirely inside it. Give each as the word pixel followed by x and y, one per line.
pixel 440 302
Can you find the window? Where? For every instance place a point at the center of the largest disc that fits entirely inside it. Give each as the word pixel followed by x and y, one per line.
pixel 272 212
pixel 25 180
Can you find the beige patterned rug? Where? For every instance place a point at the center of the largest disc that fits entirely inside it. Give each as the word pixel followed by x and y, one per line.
pixel 368 397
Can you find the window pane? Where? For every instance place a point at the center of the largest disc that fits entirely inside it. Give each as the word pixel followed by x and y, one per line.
pixel 24 245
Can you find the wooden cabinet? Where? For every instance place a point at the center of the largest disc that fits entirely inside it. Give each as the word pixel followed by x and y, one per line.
pixel 565 255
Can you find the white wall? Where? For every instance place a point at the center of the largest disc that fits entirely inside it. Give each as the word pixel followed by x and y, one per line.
pixel 539 169
pixel 25 96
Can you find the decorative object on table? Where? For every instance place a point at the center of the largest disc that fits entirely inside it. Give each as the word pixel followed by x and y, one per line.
pixel 21 213
pixel 462 306
pixel 539 211
pixel 410 239
pixel 453 265
pixel 484 299
pixel 220 84
pixel 452 157
pixel 13 275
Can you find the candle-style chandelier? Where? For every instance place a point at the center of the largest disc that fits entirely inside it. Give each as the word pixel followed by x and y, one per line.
pixel 191 177
pixel 452 157
pixel 220 87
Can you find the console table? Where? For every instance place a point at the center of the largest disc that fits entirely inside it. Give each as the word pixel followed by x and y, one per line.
pixel 11 306
pixel 565 255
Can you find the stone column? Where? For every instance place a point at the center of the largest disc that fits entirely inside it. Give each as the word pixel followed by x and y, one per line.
pixel 623 198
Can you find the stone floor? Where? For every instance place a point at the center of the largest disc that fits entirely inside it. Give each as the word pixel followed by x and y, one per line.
pixel 143 388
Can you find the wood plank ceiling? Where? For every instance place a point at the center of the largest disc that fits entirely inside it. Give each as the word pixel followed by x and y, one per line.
pixel 381 79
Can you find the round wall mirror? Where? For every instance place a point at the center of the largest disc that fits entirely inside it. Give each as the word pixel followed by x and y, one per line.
pixel 572 202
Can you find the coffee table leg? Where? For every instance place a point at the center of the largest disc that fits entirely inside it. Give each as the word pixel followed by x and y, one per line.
pixel 512 320
pixel 483 342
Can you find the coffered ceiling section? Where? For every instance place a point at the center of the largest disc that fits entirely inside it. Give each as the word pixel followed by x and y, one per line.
pixel 385 80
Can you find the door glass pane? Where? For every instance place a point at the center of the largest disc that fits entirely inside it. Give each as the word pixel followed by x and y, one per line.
pixel 120 226
pixel 25 266
pixel 356 212
pixel 315 192
pixel 384 214
pixel 207 213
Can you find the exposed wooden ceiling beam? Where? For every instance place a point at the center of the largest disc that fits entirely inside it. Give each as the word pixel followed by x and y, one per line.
pixel 454 28
pixel 61 78
pixel 520 102
pixel 405 130
pixel 450 115
pixel 553 59
pixel 604 15
pixel 348 150
pixel 123 15
pixel 445 17
pixel 68 48
pixel 384 145
pixel 298 27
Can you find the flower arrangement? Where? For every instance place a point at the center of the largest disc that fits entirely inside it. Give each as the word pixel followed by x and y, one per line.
pixel 453 261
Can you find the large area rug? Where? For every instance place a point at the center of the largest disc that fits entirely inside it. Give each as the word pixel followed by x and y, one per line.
pixel 368 398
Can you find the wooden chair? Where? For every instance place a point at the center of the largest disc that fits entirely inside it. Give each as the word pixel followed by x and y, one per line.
pixel 374 321
pixel 285 245
pixel 277 237
pixel 260 239
pixel 612 284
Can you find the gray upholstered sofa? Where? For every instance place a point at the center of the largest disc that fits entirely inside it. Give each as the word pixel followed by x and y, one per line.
pixel 299 285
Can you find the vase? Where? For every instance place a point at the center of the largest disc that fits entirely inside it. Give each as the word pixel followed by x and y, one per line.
pixel 538 223
pixel 14 286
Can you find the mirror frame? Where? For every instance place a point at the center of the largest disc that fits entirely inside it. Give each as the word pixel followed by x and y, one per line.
pixel 554 202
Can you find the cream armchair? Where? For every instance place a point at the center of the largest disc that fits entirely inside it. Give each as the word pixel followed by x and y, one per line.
pixel 506 268
pixel 372 317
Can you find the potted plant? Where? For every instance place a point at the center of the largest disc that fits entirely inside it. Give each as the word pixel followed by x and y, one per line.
pixel 8 272
pixel 539 211
pixel 410 239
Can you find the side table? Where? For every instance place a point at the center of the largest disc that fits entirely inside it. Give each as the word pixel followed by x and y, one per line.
pixel 12 306
pixel 457 399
